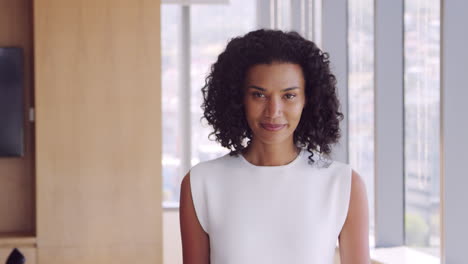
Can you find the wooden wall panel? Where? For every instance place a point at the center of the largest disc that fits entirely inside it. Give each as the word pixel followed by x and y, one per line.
pixel 120 253
pixel 98 131
pixel 17 185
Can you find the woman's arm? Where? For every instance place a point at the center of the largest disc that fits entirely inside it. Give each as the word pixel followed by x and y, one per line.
pixel 195 242
pixel 354 237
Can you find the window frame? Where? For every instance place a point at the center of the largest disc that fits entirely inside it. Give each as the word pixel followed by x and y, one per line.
pixel 264 19
pixel 388 103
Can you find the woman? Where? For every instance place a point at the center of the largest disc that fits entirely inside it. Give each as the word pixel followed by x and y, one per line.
pixel 276 197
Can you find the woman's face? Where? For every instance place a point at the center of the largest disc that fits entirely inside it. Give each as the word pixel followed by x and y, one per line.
pixel 274 98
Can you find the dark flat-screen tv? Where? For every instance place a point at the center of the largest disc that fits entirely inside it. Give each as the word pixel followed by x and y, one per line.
pixel 11 102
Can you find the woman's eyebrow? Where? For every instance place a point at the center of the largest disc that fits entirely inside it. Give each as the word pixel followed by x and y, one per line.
pixel 256 87
pixel 263 89
pixel 290 88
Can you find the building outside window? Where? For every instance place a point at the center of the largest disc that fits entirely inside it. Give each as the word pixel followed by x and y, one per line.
pixel 422 122
pixel 361 96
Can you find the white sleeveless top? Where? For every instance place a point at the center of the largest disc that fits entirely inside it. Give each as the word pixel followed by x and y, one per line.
pixel 271 214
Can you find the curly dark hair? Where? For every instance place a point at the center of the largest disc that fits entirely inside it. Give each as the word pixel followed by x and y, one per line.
pixel 223 106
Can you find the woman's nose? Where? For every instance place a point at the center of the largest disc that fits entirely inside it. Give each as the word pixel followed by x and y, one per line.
pixel 274 107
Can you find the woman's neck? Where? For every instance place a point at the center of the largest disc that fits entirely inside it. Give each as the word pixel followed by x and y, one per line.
pixel 270 155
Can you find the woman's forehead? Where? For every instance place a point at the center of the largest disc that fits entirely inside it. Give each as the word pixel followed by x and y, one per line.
pixel 275 76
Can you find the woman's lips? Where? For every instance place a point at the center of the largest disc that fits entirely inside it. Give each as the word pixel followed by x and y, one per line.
pixel 272 127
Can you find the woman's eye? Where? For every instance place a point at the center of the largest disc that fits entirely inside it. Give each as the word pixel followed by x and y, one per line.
pixel 257 94
pixel 290 96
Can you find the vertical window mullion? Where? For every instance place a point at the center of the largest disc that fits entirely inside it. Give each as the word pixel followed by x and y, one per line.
pixel 264 14
pixel 454 130
pixel 185 91
pixel 334 38
pixel 297 16
pixel 274 14
pixel 389 124
pixel 316 20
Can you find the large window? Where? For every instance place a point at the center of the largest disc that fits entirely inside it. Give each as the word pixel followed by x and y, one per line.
pixel 202 32
pixel 361 96
pixel 212 26
pixel 209 27
pixel 195 34
pixel 422 116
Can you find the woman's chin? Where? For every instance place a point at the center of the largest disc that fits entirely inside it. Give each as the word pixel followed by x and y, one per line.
pixel 272 138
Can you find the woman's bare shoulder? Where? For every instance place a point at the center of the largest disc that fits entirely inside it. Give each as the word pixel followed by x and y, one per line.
pixel 195 241
pixel 356 227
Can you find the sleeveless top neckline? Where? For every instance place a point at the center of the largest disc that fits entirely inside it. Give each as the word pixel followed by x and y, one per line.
pixel 290 164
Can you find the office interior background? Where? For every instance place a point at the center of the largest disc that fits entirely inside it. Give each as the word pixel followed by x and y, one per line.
pixel 194 34
pixel 112 95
